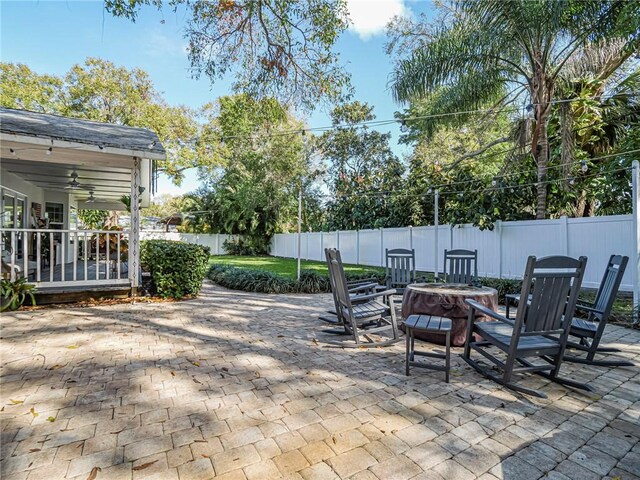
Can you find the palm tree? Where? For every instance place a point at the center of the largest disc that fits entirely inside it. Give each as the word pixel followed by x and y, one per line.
pixel 498 52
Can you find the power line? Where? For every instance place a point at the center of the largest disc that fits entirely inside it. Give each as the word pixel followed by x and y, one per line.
pixel 378 123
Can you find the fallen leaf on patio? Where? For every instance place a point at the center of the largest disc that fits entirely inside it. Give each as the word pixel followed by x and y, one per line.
pixel 34 450
pixel 204 456
pixel 51 419
pixel 173 374
pixel 33 412
pixel 71 347
pixel 197 364
pixel 280 336
pixel 333 439
pixel 56 366
pixel 78 328
pixel 94 473
pixel 143 466
pixel 16 402
pixel 225 369
pixel 315 340
pixel 197 381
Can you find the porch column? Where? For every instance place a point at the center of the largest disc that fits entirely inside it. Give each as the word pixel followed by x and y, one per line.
pixel 134 232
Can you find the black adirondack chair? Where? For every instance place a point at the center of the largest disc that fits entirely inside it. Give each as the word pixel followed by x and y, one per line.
pixel 556 283
pixel 361 315
pixel 400 268
pixel 589 331
pixel 461 266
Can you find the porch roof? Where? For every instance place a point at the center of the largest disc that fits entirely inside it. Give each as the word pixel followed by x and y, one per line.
pixel 56 127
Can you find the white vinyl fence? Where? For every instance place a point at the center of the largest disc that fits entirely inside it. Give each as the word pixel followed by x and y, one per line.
pixel 502 252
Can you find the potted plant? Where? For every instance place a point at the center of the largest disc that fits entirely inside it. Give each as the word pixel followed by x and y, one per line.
pixel 14 294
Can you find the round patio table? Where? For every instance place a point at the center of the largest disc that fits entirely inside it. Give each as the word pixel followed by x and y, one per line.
pixel 447 300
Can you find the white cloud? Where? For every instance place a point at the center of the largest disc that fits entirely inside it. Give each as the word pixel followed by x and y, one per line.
pixel 370 17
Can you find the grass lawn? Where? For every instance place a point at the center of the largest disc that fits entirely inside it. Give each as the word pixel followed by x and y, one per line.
pixel 283 266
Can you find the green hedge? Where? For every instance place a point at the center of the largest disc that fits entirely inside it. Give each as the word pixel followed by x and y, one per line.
pixel 261 281
pixel 177 268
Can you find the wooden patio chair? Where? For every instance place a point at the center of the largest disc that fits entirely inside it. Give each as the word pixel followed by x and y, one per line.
pixel 461 266
pixel 400 269
pixel 590 330
pixel 540 330
pixel 356 287
pixel 361 314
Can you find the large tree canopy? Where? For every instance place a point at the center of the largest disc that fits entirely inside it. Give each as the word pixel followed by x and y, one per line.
pixel 364 175
pixel 281 49
pixel 494 53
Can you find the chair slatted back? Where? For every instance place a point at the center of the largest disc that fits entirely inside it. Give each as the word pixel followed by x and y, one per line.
pixel 400 268
pixel 461 266
pixel 337 279
pixel 609 286
pixel 556 284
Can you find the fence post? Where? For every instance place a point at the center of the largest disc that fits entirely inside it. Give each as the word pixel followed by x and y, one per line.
pixel 499 232
pixel 381 246
pixel 635 272
pixel 564 229
pixel 338 239
pixel 410 237
pixel 357 247
pixel 321 245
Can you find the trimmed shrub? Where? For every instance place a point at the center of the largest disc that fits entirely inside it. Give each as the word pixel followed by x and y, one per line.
pixel 504 286
pixel 262 281
pixel 177 268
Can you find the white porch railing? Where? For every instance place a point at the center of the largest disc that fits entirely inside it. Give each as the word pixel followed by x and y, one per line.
pixel 51 258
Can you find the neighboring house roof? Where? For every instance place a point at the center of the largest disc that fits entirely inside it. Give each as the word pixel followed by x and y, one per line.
pixel 57 127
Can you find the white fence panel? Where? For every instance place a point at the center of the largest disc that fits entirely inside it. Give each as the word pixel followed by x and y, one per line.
pixel 597 238
pixel 370 247
pixel 329 240
pixel 349 246
pixel 487 243
pixel 315 251
pixel 396 238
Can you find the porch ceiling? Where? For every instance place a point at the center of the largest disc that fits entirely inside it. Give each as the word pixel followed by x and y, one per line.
pixel 107 183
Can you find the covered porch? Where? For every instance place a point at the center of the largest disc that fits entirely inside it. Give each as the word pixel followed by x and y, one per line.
pixel 54 166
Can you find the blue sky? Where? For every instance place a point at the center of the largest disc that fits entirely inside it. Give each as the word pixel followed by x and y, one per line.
pixel 51 36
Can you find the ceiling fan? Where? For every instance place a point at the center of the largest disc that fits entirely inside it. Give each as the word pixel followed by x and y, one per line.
pixel 91 198
pixel 73 184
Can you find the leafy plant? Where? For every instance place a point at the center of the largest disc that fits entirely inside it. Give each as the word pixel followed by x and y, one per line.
pixel 504 286
pixel 248 245
pixel 261 281
pixel 15 293
pixel 177 268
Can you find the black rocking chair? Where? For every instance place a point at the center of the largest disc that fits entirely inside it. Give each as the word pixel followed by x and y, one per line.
pixel 540 329
pixel 373 312
pixel 400 269
pixel 462 266
pixel 590 330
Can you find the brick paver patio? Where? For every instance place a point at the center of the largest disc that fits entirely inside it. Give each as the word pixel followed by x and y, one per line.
pixel 240 385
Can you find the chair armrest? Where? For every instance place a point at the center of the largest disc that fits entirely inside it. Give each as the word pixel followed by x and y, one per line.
pixel 487 311
pixel 587 308
pixel 366 298
pixel 355 283
pixel 364 286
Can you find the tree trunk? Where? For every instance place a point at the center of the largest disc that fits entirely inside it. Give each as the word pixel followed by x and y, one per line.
pixel 542 160
pixel 541 94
